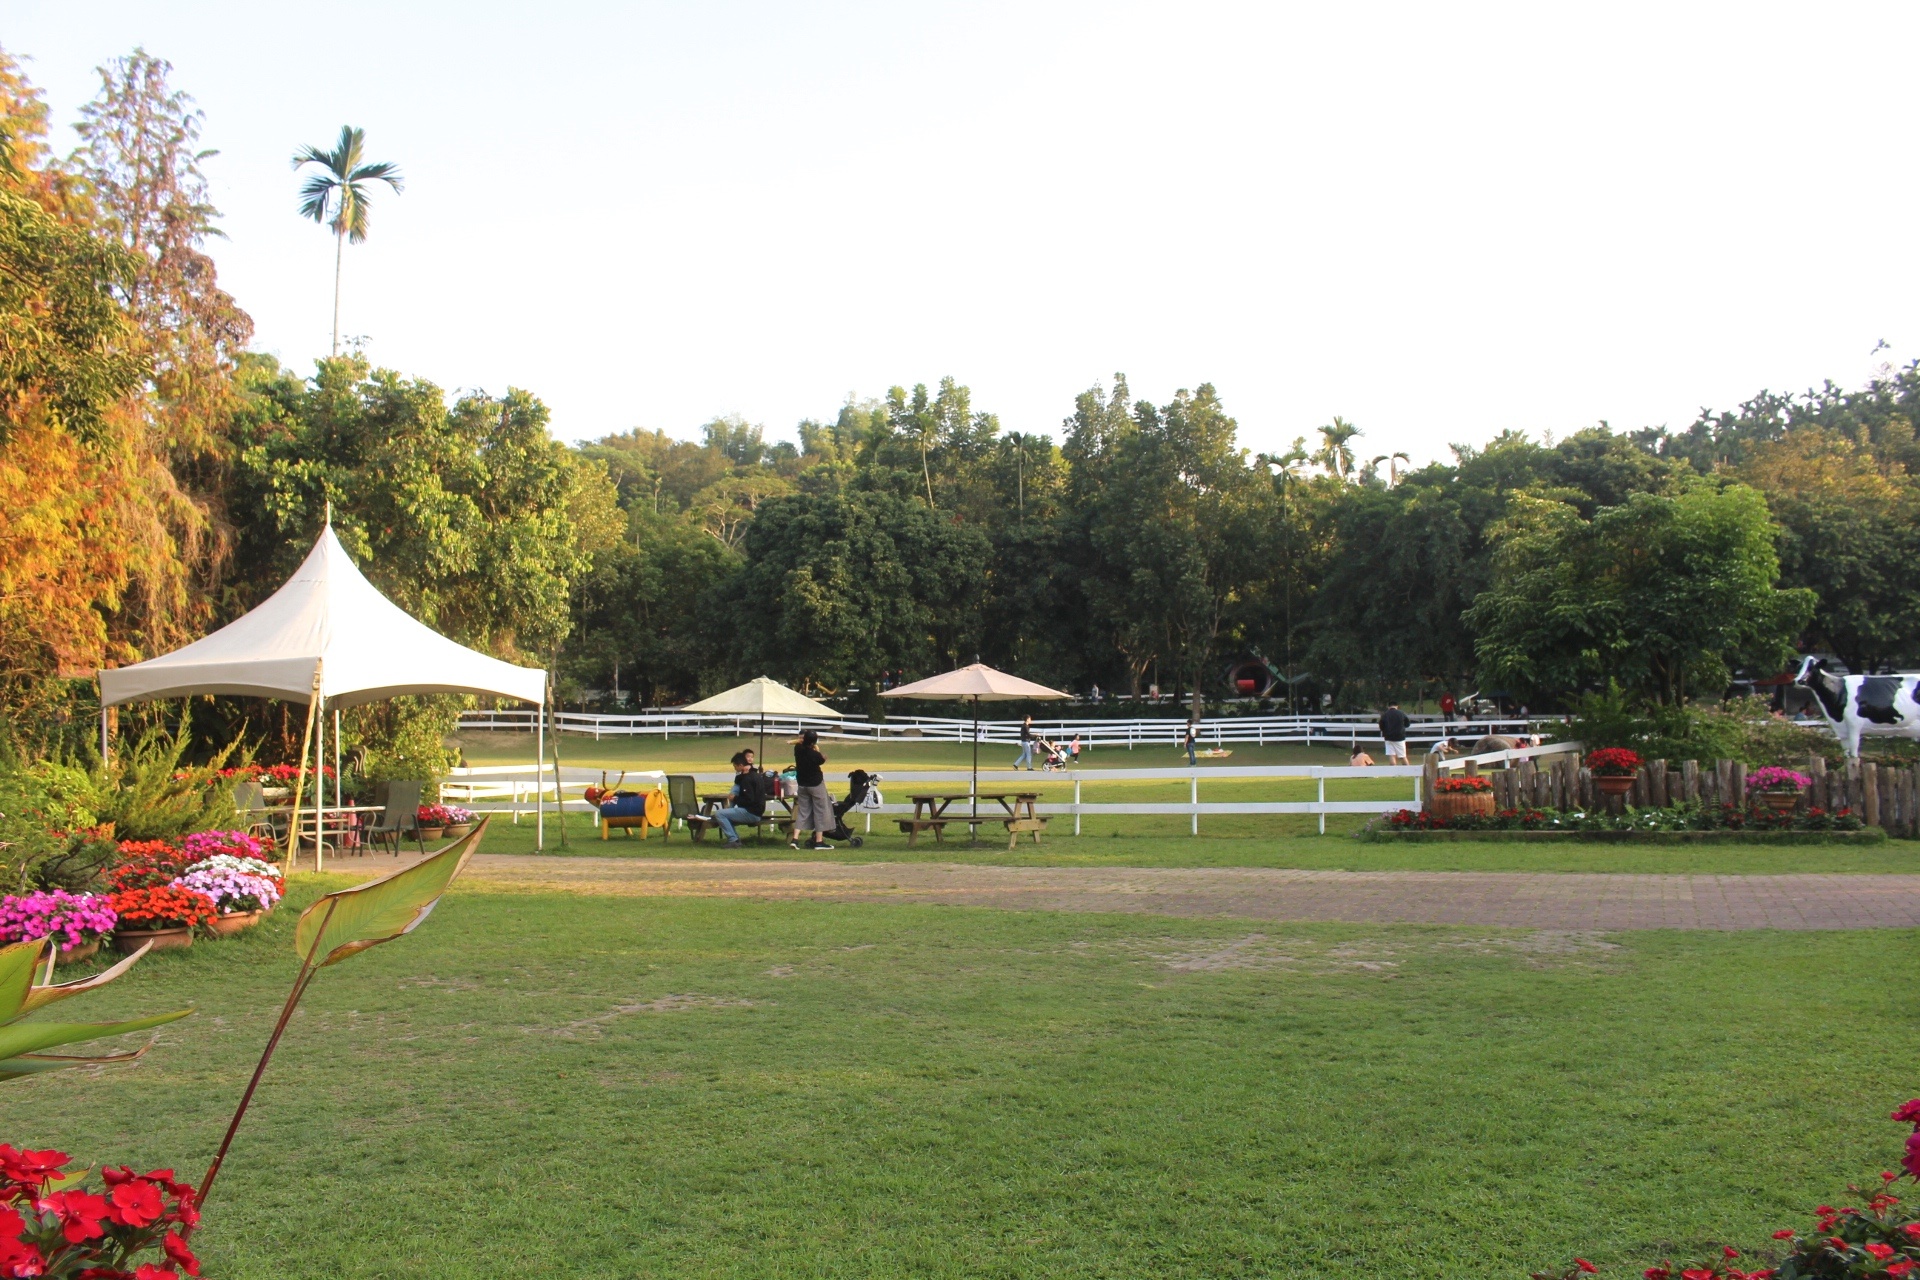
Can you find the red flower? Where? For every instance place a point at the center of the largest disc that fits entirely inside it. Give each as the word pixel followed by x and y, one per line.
pixel 30 1167
pixel 1911 1161
pixel 1881 1252
pixel 1837 1243
pixel 176 1246
pixel 1585 1266
pixel 18 1258
pixel 136 1204
pixel 1729 1252
pixel 1786 1234
pixel 148 1271
pixel 1901 1267
pixel 1908 1112
pixel 1697 1273
pixel 1912 1229
pixel 80 1213
pixel 1657 1273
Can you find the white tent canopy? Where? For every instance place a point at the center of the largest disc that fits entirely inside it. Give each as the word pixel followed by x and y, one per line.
pixel 328 618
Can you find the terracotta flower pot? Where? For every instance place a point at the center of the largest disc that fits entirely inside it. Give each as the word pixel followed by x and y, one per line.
pixel 459 829
pixel 1781 801
pixel 232 922
pixel 432 833
pixel 128 941
pixel 1613 785
pixel 85 951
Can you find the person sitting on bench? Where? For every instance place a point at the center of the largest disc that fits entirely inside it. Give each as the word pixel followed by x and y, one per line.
pixel 746 803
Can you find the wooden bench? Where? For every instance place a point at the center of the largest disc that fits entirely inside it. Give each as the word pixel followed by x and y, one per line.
pixel 914 826
pixel 1017 827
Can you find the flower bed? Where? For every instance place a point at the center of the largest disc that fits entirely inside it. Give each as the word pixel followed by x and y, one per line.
pixel 164 907
pixel 1679 824
pixel 233 889
pixel 76 919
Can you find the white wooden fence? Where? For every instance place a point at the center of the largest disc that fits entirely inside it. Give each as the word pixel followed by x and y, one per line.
pixel 1217 731
pixel 516 789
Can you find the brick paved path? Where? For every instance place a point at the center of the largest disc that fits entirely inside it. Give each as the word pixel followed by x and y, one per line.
pixel 1515 899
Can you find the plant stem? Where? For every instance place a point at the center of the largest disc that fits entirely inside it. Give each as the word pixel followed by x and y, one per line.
pixel 307 970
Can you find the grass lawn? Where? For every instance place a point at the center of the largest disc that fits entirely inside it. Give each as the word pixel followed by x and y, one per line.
pixel 1106 845
pixel 614 1087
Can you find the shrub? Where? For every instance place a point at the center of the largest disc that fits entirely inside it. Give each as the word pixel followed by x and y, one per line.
pixel 150 795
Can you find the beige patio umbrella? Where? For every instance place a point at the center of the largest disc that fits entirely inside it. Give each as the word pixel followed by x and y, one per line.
pixel 763 697
pixel 976 683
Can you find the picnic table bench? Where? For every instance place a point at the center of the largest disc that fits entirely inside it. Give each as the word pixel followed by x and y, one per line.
pixel 931 813
pixel 711 800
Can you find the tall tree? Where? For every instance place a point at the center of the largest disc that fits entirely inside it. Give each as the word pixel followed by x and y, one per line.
pixel 339 196
pixel 1663 593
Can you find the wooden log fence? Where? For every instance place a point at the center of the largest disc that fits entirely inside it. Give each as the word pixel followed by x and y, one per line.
pixel 1882 795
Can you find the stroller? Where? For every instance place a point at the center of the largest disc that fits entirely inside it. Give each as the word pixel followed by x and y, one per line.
pixel 862 793
pixel 1059 757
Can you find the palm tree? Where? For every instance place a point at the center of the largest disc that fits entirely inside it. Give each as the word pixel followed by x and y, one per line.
pixel 1393 468
pixel 1336 447
pixel 337 196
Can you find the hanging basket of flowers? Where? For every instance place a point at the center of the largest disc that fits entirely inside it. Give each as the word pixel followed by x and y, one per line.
pixel 1614 769
pixel 1779 789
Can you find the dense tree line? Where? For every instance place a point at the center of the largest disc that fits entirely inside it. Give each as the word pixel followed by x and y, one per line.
pixel 157 479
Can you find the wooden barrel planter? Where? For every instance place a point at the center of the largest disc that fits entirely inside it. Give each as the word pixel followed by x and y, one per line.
pixel 1454 804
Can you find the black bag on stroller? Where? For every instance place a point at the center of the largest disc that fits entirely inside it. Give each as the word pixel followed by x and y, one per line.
pixel 859 783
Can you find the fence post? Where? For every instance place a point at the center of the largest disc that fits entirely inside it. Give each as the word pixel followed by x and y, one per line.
pixel 1870 793
pixel 1196 801
pixel 1321 778
pixel 1076 806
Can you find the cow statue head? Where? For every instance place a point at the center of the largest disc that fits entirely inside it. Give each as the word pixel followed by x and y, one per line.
pixel 1828 689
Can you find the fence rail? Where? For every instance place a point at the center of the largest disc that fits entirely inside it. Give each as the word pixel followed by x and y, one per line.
pixel 1216 731
pixel 518 789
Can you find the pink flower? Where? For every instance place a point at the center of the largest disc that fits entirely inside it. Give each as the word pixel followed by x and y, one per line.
pixel 1585 1266
pixel 1908 1112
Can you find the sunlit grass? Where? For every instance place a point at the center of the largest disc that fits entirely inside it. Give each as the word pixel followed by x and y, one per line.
pixel 554 1086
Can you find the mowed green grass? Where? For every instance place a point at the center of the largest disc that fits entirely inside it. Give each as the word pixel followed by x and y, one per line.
pixel 1278 842
pixel 615 1087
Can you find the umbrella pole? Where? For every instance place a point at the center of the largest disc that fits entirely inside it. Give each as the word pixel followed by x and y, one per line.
pixel 973 828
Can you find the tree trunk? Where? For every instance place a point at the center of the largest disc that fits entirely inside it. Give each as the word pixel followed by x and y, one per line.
pixel 339 251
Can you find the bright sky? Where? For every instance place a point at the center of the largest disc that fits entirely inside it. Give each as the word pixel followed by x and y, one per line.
pixel 1438 221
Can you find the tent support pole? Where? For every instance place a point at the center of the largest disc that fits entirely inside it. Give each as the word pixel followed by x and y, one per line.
pixel 300 778
pixel 103 737
pixel 319 787
pixel 339 784
pixel 539 775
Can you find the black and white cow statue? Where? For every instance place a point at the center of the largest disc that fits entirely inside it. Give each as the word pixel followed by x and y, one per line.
pixel 1862 706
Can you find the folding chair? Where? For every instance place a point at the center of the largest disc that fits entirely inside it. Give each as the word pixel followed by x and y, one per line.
pixel 400 816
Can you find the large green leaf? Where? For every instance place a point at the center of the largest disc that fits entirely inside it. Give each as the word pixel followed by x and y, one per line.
pixel 31 1037
pixel 351 920
pixel 18 963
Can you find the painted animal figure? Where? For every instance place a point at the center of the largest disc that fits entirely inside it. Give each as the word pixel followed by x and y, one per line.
pixel 1862 706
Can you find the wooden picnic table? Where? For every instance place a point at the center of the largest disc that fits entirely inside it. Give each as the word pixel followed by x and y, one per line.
pixel 1011 802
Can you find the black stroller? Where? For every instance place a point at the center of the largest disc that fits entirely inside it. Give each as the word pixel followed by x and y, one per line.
pixel 859 788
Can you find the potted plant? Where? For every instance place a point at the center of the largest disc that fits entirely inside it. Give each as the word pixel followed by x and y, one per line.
pixel 241 893
pixel 1468 793
pixel 52 1224
pixel 1779 789
pixel 77 921
pixel 1614 769
pixel 165 916
pixel 459 820
pixel 431 821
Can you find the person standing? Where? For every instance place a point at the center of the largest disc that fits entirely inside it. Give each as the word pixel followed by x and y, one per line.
pixel 1191 739
pixel 812 805
pixel 1447 704
pixel 1026 744
pixel 1393 731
